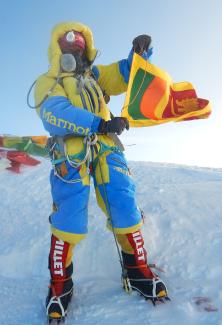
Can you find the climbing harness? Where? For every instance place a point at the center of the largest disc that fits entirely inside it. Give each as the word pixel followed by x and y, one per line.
pixel 76 161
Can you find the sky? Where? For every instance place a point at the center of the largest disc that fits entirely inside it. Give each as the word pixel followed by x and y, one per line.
pixel 187 43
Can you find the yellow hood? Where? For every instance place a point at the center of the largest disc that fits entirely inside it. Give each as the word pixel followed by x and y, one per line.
pixel 54 52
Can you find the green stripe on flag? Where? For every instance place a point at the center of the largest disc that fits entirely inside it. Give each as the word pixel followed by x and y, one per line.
pixel 141 82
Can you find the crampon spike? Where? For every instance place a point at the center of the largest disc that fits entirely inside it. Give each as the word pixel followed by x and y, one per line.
pixel 158 301
pixel 167 298
pixel 53 321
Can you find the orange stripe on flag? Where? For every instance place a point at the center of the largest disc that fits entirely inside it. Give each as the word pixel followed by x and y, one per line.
pixel 152 97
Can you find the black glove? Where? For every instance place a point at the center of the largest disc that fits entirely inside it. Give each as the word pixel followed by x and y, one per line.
pixel 141 43
pixel 116 125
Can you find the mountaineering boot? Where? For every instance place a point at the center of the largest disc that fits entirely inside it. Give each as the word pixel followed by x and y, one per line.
pixel 143 280
pixel 59 297
pixel 61 284
pixel 140 276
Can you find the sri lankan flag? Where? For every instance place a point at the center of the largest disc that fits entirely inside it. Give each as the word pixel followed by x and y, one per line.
pixel 152 98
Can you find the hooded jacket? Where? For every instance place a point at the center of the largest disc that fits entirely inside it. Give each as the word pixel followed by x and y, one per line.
pixel 75 106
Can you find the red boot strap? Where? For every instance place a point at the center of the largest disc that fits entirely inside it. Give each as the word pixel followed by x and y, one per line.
pixel 136 266
pixel 53 290
pixel 51 286
pixel 61 280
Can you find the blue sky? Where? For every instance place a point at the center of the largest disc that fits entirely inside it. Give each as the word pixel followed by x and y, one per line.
pixel 187 42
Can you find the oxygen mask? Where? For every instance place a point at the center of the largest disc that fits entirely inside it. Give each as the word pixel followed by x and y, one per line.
pixel 73 62
pixel 73 47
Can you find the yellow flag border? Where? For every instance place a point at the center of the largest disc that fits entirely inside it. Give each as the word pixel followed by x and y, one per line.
pixel 140 63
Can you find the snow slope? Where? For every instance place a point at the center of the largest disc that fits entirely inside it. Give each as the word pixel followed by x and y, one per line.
pixel 183 233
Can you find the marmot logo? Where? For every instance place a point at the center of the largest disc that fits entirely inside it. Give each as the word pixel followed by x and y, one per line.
pixel 61 123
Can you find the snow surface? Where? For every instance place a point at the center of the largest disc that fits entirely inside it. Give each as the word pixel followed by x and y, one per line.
pixel 183 233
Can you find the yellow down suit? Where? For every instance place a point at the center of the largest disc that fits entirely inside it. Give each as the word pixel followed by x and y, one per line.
pixel 72 108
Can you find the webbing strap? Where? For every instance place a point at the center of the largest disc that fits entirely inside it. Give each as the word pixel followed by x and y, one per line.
pixel 80 156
